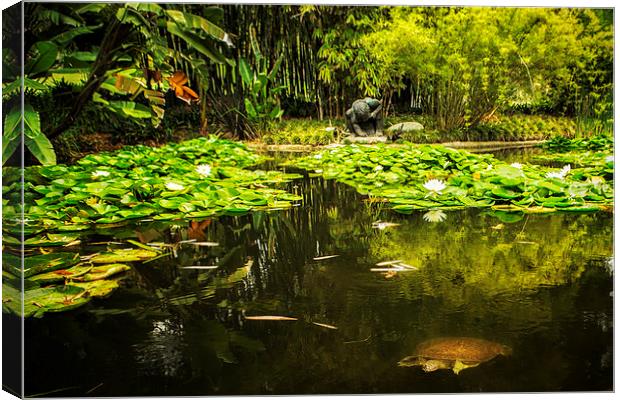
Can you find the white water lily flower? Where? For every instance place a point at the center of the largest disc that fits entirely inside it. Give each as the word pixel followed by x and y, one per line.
pixel 517 165
pixel 379 168
pixel 99 173
pixel 435 186
pixel 561 174
pixel 609 159
pixel 557 175
pixel 204 170
pixel 434 216
pixel 174 186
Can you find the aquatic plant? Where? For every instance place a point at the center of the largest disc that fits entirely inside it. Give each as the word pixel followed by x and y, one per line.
pixel 600 142
pixel 196 178
pixel 409 172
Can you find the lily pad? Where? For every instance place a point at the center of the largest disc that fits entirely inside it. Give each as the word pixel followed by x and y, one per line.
pixel 38 264
pixel 123 255
pixel 81 273
pixel 39 301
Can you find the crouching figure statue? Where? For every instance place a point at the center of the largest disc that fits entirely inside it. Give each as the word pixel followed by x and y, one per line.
pixel 364 117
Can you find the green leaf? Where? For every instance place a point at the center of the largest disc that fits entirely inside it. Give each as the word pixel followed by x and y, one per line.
pixel 34 85
pixel 245 72
pixel 66 37
pixel 249 108
pixel 198 43
pixel 43 57
pixel 197 22
pixel 35 140
pixel 11 136
pixel 131 109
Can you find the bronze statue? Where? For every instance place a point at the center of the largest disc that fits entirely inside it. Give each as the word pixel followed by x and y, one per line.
pixel 364 117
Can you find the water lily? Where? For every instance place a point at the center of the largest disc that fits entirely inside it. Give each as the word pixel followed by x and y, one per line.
pixel 609 159
pixel 434 216
pixel 99 173
pixel 174 186
pixel 565 170
pixel 559 175
pixel 435 185
pixel 379 168
pixel 517 165
pixel 204 170
pixel 553 174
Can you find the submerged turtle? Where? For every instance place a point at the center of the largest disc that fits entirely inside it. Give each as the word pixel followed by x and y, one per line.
pixel 455 353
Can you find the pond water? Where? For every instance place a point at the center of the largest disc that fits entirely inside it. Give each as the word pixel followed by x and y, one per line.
pixel 541 284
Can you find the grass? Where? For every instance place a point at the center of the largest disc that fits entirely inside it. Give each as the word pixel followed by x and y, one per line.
pixel 305 131
pixel 515 127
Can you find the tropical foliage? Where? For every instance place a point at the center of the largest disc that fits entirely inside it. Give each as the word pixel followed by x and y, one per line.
pixel 127 72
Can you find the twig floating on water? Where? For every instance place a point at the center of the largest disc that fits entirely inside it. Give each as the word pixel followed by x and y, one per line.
pixel 384 263
pixel 325 325
pixel 325 257
pixel 208 244
pixel 270 318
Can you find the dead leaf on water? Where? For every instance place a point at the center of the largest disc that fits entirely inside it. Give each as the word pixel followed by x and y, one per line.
pixel 405 266
pixel 325 325
pixel 325 257
pixel 382 225
pixel 384 263
pixel 270 318
pixel 393 269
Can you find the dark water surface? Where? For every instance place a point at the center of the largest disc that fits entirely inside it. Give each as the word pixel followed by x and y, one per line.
pixel 541 284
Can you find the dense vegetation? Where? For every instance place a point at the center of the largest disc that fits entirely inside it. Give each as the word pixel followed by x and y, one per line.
pixel 140 72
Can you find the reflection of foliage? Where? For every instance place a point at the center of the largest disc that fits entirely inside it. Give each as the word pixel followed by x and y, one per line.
pixel 535 252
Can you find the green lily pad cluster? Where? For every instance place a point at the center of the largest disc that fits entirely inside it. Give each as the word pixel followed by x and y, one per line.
pixel 414 177
pixel 192 179
pixel 61 281
pixel 600 142
pixel 602 161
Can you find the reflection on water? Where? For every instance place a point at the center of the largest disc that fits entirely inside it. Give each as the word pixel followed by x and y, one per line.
pixel 539 283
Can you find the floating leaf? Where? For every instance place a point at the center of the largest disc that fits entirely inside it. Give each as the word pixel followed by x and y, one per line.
pixel 39 263
pixel 325 325
pixel 325 257
pixel 123 255
pixel 82 273
pixel 269 318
